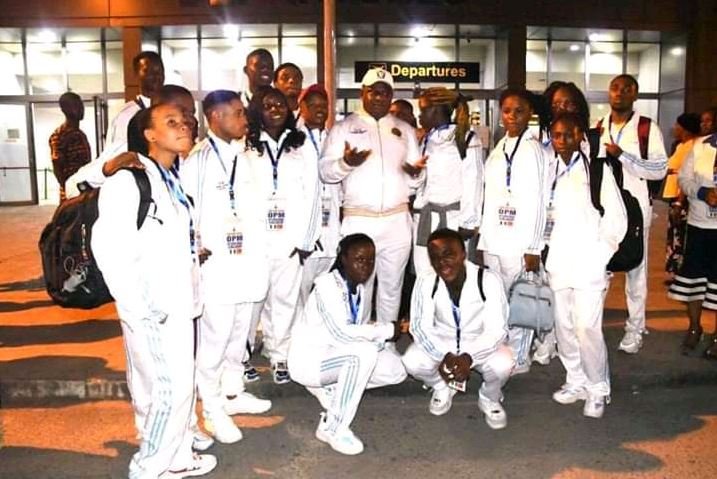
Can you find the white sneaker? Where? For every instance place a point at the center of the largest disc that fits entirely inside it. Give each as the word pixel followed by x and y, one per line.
pixel 342 441
pixel 569 394
pixel 520 369
pixel 594 406
pixel 281 373
pixel 441 401
pixel 246 403
pixel 544 353
pixel 200 440
pixel 201 464
pixel 631 342
pixel 495 415
pixel 222 427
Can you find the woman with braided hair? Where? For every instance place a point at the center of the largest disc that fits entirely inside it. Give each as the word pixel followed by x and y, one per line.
pixel 450 190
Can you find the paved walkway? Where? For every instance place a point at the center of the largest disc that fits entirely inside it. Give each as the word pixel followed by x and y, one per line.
pixel 47 351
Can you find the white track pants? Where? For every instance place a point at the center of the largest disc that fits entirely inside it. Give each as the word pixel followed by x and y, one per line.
pixel 277 314
pixel 509 268
pixel 349 370
pixel 223 330
pixel 636 282
pixel 392 236
pixel 581 345
pixel 495 370
pixel 166 441
pixel 139 377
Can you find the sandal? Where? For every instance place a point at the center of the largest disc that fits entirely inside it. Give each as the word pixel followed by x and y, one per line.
pixel 711 351
pixel 692 339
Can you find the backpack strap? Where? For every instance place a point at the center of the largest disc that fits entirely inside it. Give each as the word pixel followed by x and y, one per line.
pixel 140 103
pixel 594 169
pixel 643 135
pixel 435 287
pixel 469 138
pixel 480 283
pixel 593 135
pixel 145 194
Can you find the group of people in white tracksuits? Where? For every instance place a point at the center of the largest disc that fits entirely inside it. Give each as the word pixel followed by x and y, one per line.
pixel 272 219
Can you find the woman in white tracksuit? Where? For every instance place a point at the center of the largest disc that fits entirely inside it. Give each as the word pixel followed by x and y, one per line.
pixel 152 272
pixel 287 182
pixel 335 352
pixel 234 274
pixel 511 238
pixel 451 185
pixel 581 243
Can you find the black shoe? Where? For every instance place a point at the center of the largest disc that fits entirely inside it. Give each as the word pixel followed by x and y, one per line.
pixel 692 339
pixel 711 351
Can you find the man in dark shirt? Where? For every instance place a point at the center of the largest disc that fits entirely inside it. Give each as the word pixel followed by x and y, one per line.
pixel 68 144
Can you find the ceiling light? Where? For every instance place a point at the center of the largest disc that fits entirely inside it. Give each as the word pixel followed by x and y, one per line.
pixel 230 31
pixel 677 51
pixel 46 36
pixel 574 47
pixel 595 37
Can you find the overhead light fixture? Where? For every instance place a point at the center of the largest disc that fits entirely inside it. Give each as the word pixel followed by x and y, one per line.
pixel 230 31
pixel 419 31
pixel 574 47
pixel 47 36
pixel 595 37
pixel 677 51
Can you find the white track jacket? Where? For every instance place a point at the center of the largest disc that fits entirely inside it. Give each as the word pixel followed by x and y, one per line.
pixel 151 272
pixel 698 171
pixel 379 184
pixel 482 324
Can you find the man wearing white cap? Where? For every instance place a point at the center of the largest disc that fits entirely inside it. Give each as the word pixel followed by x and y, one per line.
pixel 373 154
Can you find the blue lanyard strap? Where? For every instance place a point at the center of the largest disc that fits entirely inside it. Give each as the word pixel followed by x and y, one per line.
pixel 354 307
pixel 430 133
pixel 457 320
pixel 575 158
pixel 313 141
pixel 619 132
pixel 274 163
pixel 509 159
pixel 232 199
pixel 171 181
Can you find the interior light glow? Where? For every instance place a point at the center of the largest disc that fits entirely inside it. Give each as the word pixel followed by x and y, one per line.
pixel 677 51
pixel 230 31
pixel 47 36
pixel 574 47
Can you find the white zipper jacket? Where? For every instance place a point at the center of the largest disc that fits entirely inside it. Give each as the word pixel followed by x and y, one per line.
pixel 636 169
pixel 118 126
pixel 296 193
pixel 379 184
pixel 483 325
pixel 236 275
pixel 327 320
pixel 582 242
pixel 526 196
pixel 698 172
pixel 446 170
pixel 151 272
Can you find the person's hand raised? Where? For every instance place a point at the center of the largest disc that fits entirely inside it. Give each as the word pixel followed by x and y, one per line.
pixel 128 159
pixel 353 157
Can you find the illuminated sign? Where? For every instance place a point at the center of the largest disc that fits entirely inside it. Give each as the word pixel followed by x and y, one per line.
pixel 413 72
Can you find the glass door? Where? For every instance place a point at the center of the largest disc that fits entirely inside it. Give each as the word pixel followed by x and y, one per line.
pixel 17 173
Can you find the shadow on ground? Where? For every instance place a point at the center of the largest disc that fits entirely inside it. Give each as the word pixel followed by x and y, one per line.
pixel 77 368
pixel 87 331
pixel 14 307
pixel 35 284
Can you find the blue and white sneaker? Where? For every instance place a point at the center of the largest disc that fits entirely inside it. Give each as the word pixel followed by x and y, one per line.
pixel 342 441
pixel 250 372
pixel 281 373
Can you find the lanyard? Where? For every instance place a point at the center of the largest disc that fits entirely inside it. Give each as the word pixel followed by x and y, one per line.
pixel 171 181
pixel 430 133
pixel 509 159
pixel 314 142
pixel 354 307
pixel 457 320
pixel 274 163
pixel 232 200
pixel 576 157
pixel 619 133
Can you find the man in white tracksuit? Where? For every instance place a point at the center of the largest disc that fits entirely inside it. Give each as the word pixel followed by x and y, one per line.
pixel 149 70
pixel 450 193
pixel 367 152
pixel 152 272
pixel 458 322
pixel 620 139
pixel 581 242
pixel 335 352
pixel 313 106
pixel 234 275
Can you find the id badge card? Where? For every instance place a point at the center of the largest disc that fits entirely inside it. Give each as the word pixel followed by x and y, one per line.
pixel 549 224
pixel 712 212
pixel 234 236
pixel 325 212
pixel 276 215
pixel 506 215
pixel 457 386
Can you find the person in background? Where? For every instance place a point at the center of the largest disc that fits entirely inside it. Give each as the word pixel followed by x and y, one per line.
pixel 513 222
pixel 289 79
pixel 403 110
pixel 149 70
pixel 259 71
pixel 696 280
pixel 335 352
pixel 708 121
pixel 69 148
pixel 685 130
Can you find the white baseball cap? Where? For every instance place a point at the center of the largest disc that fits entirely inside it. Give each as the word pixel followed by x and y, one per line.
pixel 375 75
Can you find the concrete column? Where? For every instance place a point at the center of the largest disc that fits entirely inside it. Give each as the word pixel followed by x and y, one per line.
pixel 701 67
pixel 131 46
pixel 516 56
pixel 329 54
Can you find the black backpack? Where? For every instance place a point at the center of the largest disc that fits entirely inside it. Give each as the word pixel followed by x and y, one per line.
pixel 632 248
pixel 72 278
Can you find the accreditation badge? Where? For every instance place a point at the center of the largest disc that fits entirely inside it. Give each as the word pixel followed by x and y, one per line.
pixel 457 386
pixel 506 215
pixel 234 236
pixel 549 223
pixel 276 214
pixel 325 212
